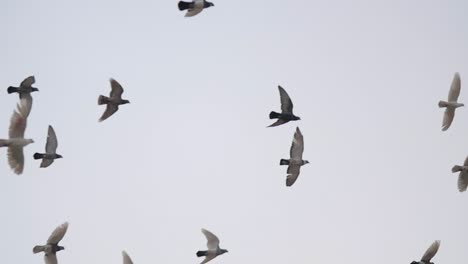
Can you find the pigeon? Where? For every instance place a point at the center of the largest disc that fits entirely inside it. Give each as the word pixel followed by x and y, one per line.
pixel 51 148
pixel 452 103
pixel 25 87
pixel 52 244
pixel 195 7
pixel 286 110
pixel 429 254
pixel 126 258
pixel 463 176
pixel 113 101
pixel 296 161
pixel 213 247
pixel 16 140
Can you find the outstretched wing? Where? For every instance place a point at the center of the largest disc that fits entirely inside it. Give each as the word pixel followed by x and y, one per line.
pixel 28 81
pixel 286 103
pixel 16 159
pixel 19 118
pixel 126 258
pixel 293 173
pixel 58 234
pixel 297 147
pixel 110 110
pixel 208 258
pixel 431 251
pixel 212 240
pixel 449 114
pixel 117 89
pixel 454 91
pixel 51 145
pixel 278 122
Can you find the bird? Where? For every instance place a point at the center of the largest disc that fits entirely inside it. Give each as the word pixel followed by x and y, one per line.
pixel 51 148
pixel 113 101
pixel 296 161
pixel 213 247
pixel 52 247
pixel 126 258
pixel 16 141
pixel 194 7
pixel 429 254
pixel 463 176
pixel 452 103
pixel 24 88
pixel 286 110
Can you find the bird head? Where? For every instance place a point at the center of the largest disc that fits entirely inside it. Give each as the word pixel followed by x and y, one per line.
pixel 223 251
pixel 34 89
pixel 59 156
pixel 414 262
pixel 60 248
pixel 208 4
pixel 125 101
pixel 29 141
pixel 306 162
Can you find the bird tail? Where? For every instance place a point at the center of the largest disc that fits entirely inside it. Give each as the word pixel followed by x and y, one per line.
pixel 284 162
pixel 38 249
pixel 456 168
pixel 12 89
pixel 443 104
pixel 201 253
pixel 38 156
pixel 184 5
pixel 102 100
pixel 274 115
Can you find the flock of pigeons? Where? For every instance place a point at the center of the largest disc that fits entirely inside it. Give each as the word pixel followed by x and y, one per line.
pixel 16 142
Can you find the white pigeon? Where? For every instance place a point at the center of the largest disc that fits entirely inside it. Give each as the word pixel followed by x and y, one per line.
pixel 213 247
pixel 452 103
pixel 126 258
pixel 195 7
pixel 429 254
pixel 463 176
pixel 52 247
pixel 16 141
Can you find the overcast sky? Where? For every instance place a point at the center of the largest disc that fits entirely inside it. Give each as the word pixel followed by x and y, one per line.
pixel 192 149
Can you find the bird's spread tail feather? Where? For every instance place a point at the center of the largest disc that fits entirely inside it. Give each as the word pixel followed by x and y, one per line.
pixel 274 115
pixel 38 249
pixel 456 168
pixel 12 89
pixel 443 104
pixel 184 5
pixel 102 100
pixel 201 253
pixel 284 162
pixel 38 156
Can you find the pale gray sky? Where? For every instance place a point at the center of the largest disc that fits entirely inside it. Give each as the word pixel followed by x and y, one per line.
pixel 365 77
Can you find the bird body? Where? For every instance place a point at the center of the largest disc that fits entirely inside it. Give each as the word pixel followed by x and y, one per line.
pixel 429 254
pixel 295 162
pixel 51 247
pixel 25 87
pixel 213 247
pixel 462 176
pixel 113 101
pixel 452 103
pixel 195 7
pixel 286 114
pixel 51 148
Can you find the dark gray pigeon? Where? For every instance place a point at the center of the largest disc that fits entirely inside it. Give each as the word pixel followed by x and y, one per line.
pixel 113 101
pixel 213 247
pixel 24 88
pixel 52 247
pixel 286 110
pixel 194 7
pixel 429 254
pixel 296 161
pixel 51 148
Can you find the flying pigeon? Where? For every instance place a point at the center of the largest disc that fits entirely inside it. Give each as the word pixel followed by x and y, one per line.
pixel 51 148
pixel 25 87
pixel 452 103
pixel 113 101
pixel 194 7
pixel 126 258
pixel 286 110
pixel 429 254
pixel 52 244
pixel 296 161
pixel 463 176
pixel 213 247
pixel 16 140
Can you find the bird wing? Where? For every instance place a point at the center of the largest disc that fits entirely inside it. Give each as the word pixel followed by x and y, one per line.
pixel 46 163
pixel 117 89
pixel 16 159
pixel 208 258
pixel 110 110
pixel 466 162
pixel 431 251
pixel 212 240
pixel 449 114
pixel 51 145
pixel 28 81
pixel 58 234
pixel 19 118
pixel 278 122
pixel 50 258
pixel 297 147
pixel 286 103
pixel 126 258
pixel 191 13
pixel 293 173
pixel 454 91
pixel 462 181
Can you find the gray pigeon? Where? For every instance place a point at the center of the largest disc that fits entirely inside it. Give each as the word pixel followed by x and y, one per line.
pixel 113 101
pixel 126 258
pixel 52 244
pixel 429 254
pixel 296 161
pixel 213 247
pixel 195 7
pixel 452 103
pixel 51 148
pixel 24 88
pixel 16 141
pixel 286 110
pixel 463 176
